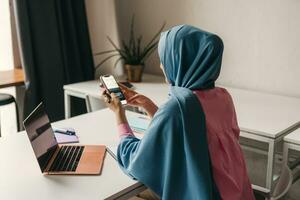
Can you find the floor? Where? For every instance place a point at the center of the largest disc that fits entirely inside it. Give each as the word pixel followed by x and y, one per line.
pixel 255 161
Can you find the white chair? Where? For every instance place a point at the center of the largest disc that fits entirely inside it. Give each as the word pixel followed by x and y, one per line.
pixel 281 188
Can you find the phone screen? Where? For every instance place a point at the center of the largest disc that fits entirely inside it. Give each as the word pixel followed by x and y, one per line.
pixel 112 86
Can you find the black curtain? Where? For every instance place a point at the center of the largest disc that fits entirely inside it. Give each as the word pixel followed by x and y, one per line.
pixel 55 49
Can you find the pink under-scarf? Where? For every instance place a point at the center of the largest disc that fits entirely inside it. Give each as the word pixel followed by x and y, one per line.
pixel 229 168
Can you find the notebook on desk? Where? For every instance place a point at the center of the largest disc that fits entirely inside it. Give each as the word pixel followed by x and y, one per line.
pixel 138 124
pixel 64 139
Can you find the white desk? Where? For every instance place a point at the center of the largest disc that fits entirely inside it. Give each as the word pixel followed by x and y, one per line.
pixel 21 178
pixel 265 114
pixel 291 142
pixel 262 117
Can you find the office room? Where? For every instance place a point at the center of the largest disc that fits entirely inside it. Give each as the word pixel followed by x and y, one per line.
pixel 161 99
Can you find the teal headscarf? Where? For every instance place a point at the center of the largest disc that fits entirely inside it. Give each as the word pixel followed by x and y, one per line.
pixel 173 159
pixel 191 57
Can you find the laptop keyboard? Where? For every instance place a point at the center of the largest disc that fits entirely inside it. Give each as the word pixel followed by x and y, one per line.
pixel 67 159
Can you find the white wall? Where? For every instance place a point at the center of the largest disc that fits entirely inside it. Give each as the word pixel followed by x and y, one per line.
pixel 102 22
pixel 262 44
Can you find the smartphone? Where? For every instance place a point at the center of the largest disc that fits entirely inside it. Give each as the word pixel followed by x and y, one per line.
pixel 111 85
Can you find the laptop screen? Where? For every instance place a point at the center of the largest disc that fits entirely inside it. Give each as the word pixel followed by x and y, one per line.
pixel 41 136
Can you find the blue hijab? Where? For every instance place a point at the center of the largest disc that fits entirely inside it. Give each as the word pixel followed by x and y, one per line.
pixel 172 159
pixel 191 57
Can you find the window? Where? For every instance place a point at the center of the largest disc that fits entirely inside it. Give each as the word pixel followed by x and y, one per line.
pixel 7 113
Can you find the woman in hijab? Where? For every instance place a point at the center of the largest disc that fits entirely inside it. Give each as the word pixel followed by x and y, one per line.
pixel 191 148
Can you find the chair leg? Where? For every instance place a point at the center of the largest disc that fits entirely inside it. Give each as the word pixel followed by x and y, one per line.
pixel 17 116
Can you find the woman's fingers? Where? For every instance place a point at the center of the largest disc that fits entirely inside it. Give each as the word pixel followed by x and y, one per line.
pixel 102 89
pixel 106 96
pixel 127 91
pixel 106 99
pixel 115 98
pixel 112 101
pixel 137 100
pixel 123 88
pixel 133 98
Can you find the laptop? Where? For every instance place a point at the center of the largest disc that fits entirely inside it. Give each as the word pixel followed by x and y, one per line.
pixel 54 158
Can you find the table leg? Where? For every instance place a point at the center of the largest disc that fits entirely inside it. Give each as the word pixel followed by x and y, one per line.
pixel 67 105
pixel 285 154
pixel 270 164
pixel 88 104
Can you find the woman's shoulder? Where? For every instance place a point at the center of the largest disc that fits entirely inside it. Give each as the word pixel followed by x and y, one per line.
pixel 213 92
pixel 221 89
pixel 225 92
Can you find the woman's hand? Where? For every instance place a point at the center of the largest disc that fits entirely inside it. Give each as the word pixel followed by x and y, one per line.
pixel 114 104
pixel 138 100
pixel 133 98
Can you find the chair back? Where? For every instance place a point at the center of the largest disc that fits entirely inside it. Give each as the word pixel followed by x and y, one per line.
pixel 283 184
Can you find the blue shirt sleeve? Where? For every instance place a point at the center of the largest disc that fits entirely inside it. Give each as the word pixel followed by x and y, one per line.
pixel 126 153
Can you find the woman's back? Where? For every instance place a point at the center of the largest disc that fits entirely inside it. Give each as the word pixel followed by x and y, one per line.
pixel 184 139
pixel 229 169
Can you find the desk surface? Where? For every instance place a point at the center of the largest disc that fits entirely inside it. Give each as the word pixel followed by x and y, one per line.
pixel 293 137
pixel 265 114
pixel 260 113
pixel 21 178
pixel 10 78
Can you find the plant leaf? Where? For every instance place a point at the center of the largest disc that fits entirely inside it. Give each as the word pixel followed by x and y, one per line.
pixel 133 52
pixel 149 49
pixel 148 55
pixel 105 52
pixel 120 51
pixel 139 41
pixel 106 59
pixel 132 37
pixel 126 48
pixel 112 43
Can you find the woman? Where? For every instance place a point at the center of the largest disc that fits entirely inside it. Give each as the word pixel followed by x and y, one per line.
pixel 191 148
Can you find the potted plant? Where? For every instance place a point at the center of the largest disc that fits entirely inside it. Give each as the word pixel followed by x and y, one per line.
pixel 132 52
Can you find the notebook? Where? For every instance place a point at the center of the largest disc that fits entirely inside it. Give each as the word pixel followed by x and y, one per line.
pixel 138 124
pixel 63 138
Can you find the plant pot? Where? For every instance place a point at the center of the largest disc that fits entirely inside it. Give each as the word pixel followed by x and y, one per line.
pixel 134 72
